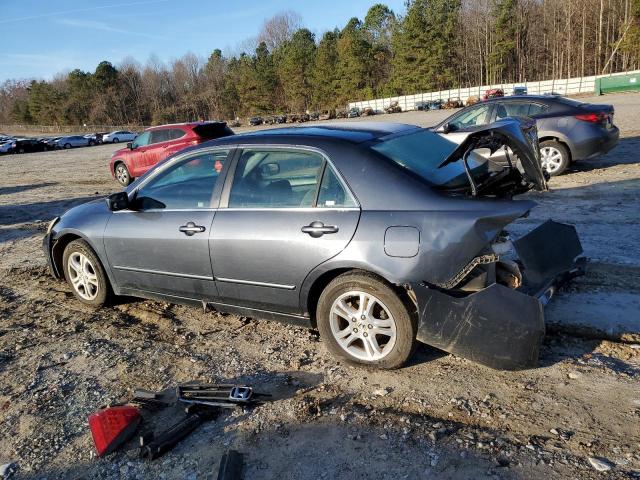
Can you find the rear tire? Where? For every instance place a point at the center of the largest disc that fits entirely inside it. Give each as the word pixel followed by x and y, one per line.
pixel 122 174
pixel 382 334
pixel 84 273
pixel 554 156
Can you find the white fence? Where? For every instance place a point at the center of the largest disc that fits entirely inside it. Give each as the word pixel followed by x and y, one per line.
pixel 565 86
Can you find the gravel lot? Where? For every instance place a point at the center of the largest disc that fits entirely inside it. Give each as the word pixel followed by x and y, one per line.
pixel 440 417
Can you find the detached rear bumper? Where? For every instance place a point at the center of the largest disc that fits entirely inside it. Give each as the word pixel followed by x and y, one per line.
pixel 498 326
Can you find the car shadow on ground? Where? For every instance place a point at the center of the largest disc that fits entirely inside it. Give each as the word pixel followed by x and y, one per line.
pixel 24 188
pixel 39 211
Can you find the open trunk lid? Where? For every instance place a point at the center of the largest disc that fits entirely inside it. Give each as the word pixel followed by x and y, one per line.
pixel 517 133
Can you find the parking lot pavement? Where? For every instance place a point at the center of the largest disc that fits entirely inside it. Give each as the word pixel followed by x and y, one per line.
pixel 440 417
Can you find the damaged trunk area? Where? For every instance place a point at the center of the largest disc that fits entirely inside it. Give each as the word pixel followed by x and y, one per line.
pixel 499 160
pixel 492 311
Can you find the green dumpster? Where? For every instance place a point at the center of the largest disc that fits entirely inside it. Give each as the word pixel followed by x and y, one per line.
pixel 618 83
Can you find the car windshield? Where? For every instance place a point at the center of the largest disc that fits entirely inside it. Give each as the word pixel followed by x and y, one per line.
pixel 422 152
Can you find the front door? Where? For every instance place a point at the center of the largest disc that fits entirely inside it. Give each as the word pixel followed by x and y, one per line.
pixel 163 245
pixel 286 213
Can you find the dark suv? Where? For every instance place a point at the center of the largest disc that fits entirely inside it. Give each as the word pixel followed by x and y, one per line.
pixel 157 143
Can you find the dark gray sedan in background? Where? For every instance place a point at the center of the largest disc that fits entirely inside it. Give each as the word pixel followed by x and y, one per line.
pixel 568 130
pixel 379 235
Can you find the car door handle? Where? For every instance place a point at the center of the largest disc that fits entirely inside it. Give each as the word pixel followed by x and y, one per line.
pixel 317 229
pixel 191 228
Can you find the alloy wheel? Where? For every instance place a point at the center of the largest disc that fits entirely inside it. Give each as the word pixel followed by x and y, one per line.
pixel 551 159
pixel 121 174
pixel 82 275
pixel 362 325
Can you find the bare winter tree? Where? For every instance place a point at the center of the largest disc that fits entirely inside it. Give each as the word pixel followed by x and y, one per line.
pixel 279 28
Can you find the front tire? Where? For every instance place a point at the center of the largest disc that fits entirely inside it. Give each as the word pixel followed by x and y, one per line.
pixel 67 145
pixel 554 156
pixel 122 174
pixel 115 140
pixel 364 321
pixel 84 273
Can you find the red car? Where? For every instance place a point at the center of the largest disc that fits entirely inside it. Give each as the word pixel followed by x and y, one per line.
pixel 493 93
pixel 157 143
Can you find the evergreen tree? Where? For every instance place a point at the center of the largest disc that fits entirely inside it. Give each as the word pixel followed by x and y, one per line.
pixel 424 46
pixel 325 72
pixel 502 59
pixel 295 61
pixel 355 63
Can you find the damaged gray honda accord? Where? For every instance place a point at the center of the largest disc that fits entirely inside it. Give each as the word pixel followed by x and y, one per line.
pixel 378 235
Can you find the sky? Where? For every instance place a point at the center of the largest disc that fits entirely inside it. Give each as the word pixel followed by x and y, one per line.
pixel 39 38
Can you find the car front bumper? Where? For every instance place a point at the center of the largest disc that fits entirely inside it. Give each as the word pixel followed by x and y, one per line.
pixel 498 326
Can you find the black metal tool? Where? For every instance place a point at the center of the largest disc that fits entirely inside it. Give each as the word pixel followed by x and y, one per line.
pixel 231 466
pixel 219 395
pixel 148 400
pixel 165 441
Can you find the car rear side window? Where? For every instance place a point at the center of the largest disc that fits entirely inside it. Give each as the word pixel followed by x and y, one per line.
pixel 188 184
pixel 511 109
pixel 175 133
pixel 158 136
pixel 332 193
pixel 276 179
pixel 537 109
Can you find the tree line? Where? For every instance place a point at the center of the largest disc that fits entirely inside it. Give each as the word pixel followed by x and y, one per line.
pixel 286 68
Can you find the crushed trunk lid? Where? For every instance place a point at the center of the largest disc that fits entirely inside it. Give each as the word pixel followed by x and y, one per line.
pixel 518 134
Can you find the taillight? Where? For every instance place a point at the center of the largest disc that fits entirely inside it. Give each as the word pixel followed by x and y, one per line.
pixel 593 117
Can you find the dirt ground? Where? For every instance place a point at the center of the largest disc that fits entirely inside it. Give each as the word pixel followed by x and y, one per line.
pixel 440 417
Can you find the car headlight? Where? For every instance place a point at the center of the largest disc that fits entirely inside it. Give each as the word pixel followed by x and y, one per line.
pixel 52 224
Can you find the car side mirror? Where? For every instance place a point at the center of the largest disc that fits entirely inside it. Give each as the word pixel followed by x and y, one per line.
pixel 118 201
pixel 446 128
pixel 130 145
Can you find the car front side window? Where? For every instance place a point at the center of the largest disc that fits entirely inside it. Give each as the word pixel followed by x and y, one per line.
pixel 188 184
pixel 276 179
pixel 475 116
pixel 141 140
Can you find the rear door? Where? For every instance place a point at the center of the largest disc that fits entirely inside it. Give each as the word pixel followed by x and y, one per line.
pixel 156 146
pixel 163 245
pixel 284 212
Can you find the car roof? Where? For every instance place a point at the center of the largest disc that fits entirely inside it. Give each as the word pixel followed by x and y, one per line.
pixel 354 132
pixel 183 124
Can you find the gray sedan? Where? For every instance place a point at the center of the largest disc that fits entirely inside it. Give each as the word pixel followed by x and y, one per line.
pixel 568 130
pixel 379 235
pixel 72 141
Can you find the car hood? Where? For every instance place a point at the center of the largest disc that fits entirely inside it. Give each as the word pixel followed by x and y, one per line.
pixel 519 134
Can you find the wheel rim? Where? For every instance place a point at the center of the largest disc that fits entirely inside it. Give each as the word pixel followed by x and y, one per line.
pixel 362 325
pixel 551 159
pixel 115 140
pixel 83 277
pixel 121 174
